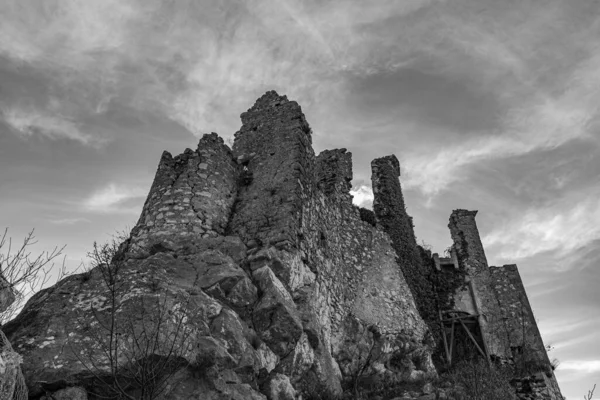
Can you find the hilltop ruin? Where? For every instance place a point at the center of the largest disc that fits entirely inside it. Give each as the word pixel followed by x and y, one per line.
pixel 284 283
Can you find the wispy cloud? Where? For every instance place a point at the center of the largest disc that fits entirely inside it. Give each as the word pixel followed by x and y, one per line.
pixel 68 221
pixel 562 227
pixel 584 366
pixel 115 198
pixel 545 124
pixel 546 108
pixel 31 121
pixel 49 32
pixel 578 339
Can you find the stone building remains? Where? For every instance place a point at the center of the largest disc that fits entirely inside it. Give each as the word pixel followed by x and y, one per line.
pixel 284 283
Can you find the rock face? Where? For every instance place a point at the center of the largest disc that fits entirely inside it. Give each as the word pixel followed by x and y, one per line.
pixel 12 383
pixel 249 275
pixel 282 286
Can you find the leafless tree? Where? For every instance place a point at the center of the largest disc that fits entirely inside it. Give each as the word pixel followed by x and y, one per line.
pixel 137 341
pixel 590 394
pixel 22 273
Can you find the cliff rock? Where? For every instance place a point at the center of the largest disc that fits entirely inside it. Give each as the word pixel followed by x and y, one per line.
pixel 251 275
pixel 12 383
pixel 260 257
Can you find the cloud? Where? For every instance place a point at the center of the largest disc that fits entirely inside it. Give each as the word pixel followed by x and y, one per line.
pixel 115 199
pixel 547 108
pixel 62 33
pixel 68 221
pixel 583 366
pixel 546 124
pixel 561 227
pixel 577 340
pixel 362 196
pixel 30 121
pixel 195 61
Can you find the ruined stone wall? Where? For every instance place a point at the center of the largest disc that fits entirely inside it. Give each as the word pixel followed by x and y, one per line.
pixel 334 173
pixel 506 319
pixel 390 210
pixel 519 322
pixel 345 282
pixel 283 283
pixel 525 341
pixel 274 149
pixel 476 297
pixel 191 197
pixel 357 273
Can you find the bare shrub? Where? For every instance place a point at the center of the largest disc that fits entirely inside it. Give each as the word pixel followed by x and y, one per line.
pixel 590 394
pixel 137 339
pixel 22 273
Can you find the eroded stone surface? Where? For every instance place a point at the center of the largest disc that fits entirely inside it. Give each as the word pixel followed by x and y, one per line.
pixel 12 383
pixel 281 286
pixel 264 253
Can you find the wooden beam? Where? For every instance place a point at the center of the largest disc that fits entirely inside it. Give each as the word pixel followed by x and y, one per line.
pixel 462 317
pixel 480 319
pixel 448 358
pixel 474 341
pixel 451 342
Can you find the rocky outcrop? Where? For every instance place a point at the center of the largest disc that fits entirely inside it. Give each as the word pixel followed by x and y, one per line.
pixel 249 275
pixel 12 383
pixel 262 261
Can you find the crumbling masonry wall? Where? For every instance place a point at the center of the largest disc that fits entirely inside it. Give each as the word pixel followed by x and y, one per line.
pixel 295 213
pixel 191 197
pixel 288 288
pixel 390 211
pixel 528 352
pixel 506 319
pixel 357 273
pixel 476 297
pixel 518 319
pixel 273 146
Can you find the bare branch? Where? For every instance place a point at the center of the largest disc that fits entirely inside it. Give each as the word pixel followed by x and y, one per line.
pixel 140 338
pixel 24 274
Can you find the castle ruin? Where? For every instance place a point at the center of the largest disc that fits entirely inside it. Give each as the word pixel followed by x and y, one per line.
pixel 286 284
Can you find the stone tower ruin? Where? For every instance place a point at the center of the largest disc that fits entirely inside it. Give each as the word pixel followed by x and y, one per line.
pixel 284 284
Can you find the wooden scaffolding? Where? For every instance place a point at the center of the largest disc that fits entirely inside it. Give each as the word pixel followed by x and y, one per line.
pixel 450 321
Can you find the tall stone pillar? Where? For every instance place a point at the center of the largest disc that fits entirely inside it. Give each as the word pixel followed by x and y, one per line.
pixel 467 243
pixel 390 211
pixel 477 297
pixel 273 148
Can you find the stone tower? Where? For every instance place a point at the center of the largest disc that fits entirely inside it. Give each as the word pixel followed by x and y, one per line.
pixel 280 281
pixel 497 297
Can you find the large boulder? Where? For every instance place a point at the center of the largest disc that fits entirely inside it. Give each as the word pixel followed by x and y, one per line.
pixel 63 332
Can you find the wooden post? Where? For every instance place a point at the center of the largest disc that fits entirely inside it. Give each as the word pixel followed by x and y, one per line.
pixel 480 320
pixel 451 341
pixel 448 357
pixel 473 339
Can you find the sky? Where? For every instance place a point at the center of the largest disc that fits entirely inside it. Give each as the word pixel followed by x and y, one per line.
pixel 489 105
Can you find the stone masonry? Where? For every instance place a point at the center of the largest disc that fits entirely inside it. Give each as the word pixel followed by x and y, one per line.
pixel 192 196
pixel 262 250
pixel 283 290
pixel 390 210
pixel 498 297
